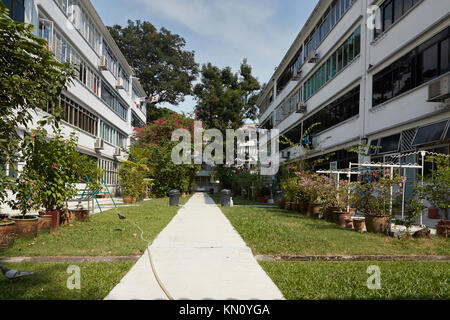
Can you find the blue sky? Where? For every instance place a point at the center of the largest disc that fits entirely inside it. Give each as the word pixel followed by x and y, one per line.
pixel 222 32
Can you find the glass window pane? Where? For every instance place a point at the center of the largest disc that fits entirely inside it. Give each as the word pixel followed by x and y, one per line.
pixel 387 16
pixel 430 133
pixel 398 9
pixel 445 56
pixel 389 144
pixel 429 68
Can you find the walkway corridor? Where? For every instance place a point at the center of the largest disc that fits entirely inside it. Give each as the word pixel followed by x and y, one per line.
pixel 198 256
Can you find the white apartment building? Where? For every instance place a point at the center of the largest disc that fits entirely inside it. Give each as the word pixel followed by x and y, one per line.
pixel 386 86
pixel 106 102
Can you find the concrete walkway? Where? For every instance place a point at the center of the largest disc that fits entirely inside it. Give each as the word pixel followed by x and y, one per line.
pixel 198 256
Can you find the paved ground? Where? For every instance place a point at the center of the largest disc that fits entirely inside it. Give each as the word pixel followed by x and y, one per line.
pixel 198 256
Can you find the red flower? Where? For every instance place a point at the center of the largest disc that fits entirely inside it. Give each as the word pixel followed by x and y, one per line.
pixel 161 121
pixel 34 137
pixel 53 166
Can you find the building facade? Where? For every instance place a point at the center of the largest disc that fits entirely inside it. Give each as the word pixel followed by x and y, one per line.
pixel 105 102
pixel 364 72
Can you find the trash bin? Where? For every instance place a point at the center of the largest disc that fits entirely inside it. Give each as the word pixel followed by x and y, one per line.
pixel 225 198
pixel 211 191
pixel 174 198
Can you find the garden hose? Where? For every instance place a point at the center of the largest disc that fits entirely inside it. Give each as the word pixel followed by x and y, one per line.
pixel 160 283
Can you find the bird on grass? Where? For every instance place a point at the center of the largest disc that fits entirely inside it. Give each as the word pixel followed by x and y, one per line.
pixel 14 274
pixel 121 217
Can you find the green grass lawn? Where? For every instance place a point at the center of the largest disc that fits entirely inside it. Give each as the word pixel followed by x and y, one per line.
pixel 276 231
pixel 348 280
pixel 50 281
pixel 104 234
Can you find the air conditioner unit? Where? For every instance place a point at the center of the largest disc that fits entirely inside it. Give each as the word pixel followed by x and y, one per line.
pixel 439 90
pixel 103 63
pixel 313 56
pixel 301 107
pixel 117 152
pixel 297 74
pixel 119 83
pixel 99 144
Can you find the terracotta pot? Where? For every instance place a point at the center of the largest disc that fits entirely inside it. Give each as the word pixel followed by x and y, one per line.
pixel 55 218
pixel 329 215
pixel 344 219
pixel 443 228
pixel 314 210
pixel 378 224
pixel 81 215
pixel 433 213
pixel 67 218
pixel 129 199
pixel 359 224
pixel 26 226
pixel 45 223
pixel 287 205
pixel 280 202
pixel 7 233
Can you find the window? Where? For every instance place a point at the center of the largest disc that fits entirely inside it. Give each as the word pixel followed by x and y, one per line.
pixel 111 135
pixel 424 63
pixel 391 11
pixel 430 133
pixel 114 102
pixel 46 31
pixel 16 9
pixel 444 57
pixel 110 171
pixel 389 144
pixel 112 61
pixel 342 57
pixel 288 73
pixel 78 116
pixel 336 112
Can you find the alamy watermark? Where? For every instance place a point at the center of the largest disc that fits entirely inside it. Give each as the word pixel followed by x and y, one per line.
pixel 74 280
pixel 374 281
pixel 252 148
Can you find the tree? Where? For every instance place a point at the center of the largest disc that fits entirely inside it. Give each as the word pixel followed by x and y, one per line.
pixel 30 77
pixel 153 147
pixel 159 60
pixel 226 99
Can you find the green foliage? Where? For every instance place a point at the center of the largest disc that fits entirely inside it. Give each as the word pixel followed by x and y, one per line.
pixel 437 185
pixel 29 78
pixel 225 99
pixel 159 58
pixel 132 175
pixel 53 168
pixel 374 198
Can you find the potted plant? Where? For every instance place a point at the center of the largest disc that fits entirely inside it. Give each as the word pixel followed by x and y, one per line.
pixel 373 199
pixel 81 214
pixel 25 201
pixel 7 232
pixel 343 211
pixel 415 209
pixel 436 189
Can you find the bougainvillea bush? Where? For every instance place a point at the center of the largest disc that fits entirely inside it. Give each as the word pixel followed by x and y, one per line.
pixel 154 147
